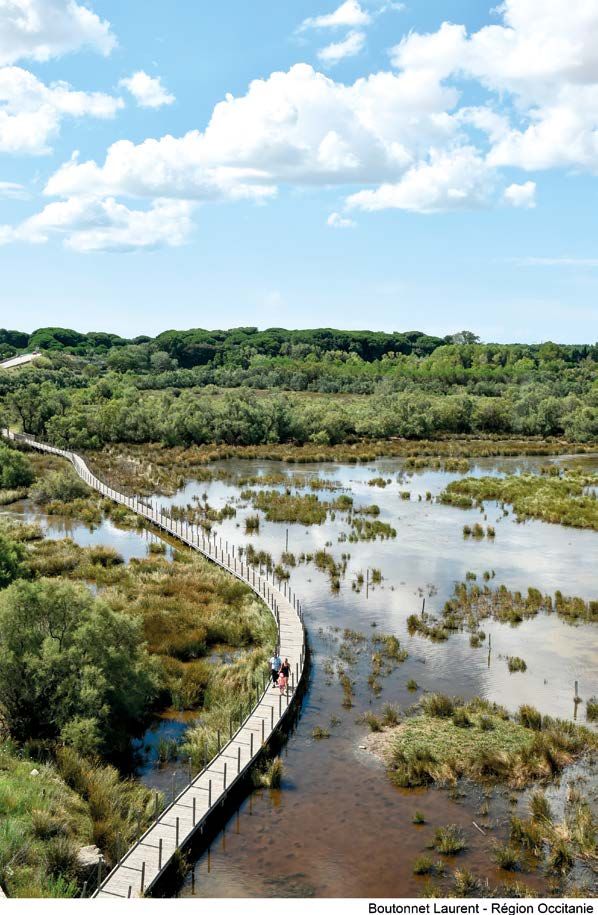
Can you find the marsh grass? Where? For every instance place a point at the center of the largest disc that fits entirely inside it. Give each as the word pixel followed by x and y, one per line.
pixel 592 709
pixel 46 818
pixel 558 499
pixel 472 603
pixel 507 857
pixel 516 664
pixel 269 775
pixel 449 840
pixel 449 739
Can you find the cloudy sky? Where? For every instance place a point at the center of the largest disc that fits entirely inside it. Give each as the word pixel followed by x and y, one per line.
pixel 368 163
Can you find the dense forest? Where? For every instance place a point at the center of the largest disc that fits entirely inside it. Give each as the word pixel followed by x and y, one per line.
pixel 324 386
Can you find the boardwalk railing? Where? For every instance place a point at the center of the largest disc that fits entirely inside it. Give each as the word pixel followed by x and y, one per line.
pixel 140 868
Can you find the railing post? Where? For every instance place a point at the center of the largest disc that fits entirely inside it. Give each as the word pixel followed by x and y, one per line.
pixel 160 854
pixel 209 793
pixel 251 744
pixel 225 775
pixel 238 759
pixel 177 832
pixel 194 807
pixel 142 878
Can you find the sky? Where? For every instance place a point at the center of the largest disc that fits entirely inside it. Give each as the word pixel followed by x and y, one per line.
pixel 422 165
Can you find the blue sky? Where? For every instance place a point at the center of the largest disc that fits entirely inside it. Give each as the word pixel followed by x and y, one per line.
pixel 420 165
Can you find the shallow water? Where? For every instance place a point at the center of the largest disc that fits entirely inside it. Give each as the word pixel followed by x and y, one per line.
pixel 338 827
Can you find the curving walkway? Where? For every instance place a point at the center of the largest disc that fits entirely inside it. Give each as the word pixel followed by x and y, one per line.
pixel 141 866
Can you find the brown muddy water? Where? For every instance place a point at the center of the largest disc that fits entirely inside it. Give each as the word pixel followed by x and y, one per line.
pixel 338 827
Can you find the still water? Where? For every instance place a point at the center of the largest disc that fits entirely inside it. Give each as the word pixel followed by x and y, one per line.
pixel 338 827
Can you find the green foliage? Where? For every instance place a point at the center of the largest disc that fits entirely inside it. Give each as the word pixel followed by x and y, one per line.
pixel 70 667
pixel 60 485
pixel 15 468
pixel 12 554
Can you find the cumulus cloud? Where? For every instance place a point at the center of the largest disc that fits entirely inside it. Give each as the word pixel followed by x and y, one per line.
pixel 542 57
pixel 298 127
pixel 348 14
pixel 405 138
pixel 338 50
pixel 336 221
pixel 42 29
pixel 89 224
pixel 521 195
pixel 147 91
pixel 31 112
pixel 449 181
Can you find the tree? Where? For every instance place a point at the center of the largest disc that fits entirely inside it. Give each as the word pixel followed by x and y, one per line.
pixel 11 560
pixel 71 668
pixel 15 468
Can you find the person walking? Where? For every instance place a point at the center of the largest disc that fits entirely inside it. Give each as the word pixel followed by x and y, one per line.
pixel 275 665
pixel 283 677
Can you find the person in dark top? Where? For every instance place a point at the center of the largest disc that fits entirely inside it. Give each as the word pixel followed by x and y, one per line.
pixel 283 677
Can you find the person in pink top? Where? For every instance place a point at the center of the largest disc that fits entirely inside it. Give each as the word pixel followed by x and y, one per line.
pixel 283 676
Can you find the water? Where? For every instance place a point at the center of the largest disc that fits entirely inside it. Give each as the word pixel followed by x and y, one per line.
pixel 338 827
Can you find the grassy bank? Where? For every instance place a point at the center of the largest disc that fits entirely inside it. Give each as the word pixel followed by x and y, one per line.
pixel 447 739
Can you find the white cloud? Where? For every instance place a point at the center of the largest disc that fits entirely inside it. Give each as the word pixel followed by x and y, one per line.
pixel 336 221
pixel 147 91
pixel 89 224
pixel 349 14
pixel 521 195
pixel 42 29
pixel 298 127
pixel 449 181
pixel 404 138
pixel 12 189
pixel 31 112
pixel 541 60
pixel 338 50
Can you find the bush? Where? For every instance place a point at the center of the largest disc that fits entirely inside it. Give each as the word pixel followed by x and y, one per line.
pixel 70 667
pixel 516 664
pixel 15 468
pixel 592 709
pixel 12 554
pixel 59 486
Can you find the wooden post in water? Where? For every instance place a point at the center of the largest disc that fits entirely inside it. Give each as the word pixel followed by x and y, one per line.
pixel 423 606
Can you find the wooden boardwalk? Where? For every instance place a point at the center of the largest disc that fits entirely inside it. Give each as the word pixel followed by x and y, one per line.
pixel 141 866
